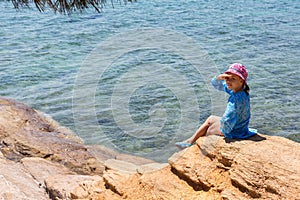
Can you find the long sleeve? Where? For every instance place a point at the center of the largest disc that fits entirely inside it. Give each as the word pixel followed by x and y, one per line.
pixel 219 85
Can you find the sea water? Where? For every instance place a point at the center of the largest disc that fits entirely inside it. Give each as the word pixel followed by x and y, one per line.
pixel 148 98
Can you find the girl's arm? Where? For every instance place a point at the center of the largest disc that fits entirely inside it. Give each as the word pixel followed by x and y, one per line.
pixel 219 83
pixel 224 76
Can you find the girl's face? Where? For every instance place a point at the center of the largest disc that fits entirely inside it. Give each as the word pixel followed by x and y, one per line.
pixel 234 82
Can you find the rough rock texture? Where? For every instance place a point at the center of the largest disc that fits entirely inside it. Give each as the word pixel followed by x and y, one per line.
pixel 35 152
pixel 262 167
pixel 26 133
pixel 40 169
pixel 74 186
pixel 17 183
pixel 41 160
pixel 160 184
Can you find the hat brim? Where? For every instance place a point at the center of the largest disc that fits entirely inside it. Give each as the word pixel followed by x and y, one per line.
pixel 232 71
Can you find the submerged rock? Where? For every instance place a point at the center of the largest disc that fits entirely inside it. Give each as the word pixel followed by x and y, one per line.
pixel 39 159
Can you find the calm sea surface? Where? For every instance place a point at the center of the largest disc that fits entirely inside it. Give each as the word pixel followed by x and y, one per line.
pixel 43 54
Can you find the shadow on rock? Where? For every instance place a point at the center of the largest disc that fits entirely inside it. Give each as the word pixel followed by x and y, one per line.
pixel 255 138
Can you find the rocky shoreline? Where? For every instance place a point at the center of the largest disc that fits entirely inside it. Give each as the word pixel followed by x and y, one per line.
pixel 39 159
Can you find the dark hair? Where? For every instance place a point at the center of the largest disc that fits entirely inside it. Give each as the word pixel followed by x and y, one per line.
pixel 246 89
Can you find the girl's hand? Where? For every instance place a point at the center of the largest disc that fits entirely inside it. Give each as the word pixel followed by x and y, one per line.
pixel 224 77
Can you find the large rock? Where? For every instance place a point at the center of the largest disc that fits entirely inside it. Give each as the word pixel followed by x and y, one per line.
pixel 80 187
pixel 127 167
pixel 39 159
pixel 40 169
pixel 16 183
pixel 265 167
pixel 25 132
pixel 160 184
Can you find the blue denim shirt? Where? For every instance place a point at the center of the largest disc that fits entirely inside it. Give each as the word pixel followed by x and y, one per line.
pixel 235 120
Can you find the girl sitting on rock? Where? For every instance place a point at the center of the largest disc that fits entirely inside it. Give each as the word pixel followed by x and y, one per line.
pixel 234 122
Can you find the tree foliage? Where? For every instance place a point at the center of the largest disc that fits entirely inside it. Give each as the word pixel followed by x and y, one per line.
pixel 66 6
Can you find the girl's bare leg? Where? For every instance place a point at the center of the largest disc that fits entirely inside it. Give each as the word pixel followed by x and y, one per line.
pixel 210 127
pixel 214 128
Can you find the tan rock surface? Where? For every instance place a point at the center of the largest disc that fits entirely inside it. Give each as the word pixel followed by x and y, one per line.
pixel 121 166
pixel 133 159
pixel 161 184
pixel 27 133
pixel 265 167
pixel 16 183
pixel 151 167
pixel 40 169
pixel 125 167
pixel 74 186
pixel 38 156
pixel 101 153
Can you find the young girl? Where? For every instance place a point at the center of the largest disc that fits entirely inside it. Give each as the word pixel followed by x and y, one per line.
pixel 235 120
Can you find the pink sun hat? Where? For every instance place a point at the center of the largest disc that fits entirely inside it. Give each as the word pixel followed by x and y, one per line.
pixel 239 70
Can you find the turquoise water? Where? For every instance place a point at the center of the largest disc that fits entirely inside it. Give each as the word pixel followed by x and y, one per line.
pixel 42 54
